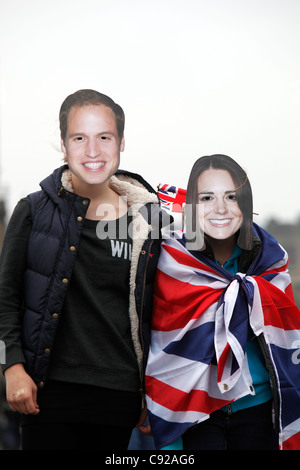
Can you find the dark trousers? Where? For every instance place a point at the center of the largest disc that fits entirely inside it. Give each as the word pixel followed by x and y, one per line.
pixel 248 429
pixel 52 436
pixel 77 417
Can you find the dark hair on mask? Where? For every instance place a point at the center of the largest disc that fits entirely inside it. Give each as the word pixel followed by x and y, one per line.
pixel 88 97
pixel 242 188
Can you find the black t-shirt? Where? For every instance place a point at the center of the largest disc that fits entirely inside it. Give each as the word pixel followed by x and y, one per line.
pixel 93 343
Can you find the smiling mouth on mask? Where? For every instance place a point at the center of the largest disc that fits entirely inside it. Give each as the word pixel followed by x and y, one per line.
pixel 220 222
pixel 94 165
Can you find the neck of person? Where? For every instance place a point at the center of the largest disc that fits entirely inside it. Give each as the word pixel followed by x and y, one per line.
pixel 105 203
pixel 222 249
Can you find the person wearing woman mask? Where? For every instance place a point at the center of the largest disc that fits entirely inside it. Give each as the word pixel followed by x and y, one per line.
pixel 222 371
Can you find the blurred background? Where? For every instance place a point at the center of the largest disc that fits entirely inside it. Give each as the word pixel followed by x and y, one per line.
pixel 194 77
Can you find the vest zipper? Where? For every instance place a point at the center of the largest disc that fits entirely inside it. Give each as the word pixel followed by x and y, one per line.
pixel 141 325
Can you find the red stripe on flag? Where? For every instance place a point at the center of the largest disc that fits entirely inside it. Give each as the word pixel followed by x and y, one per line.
pixel 177 400
pixel 222 361
pixel 279 309
pixel 187 260
pixel 293 443
pixel 173 197
pixel 176 302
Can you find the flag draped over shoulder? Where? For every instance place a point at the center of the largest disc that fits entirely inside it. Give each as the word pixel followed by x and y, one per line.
pixel 197 361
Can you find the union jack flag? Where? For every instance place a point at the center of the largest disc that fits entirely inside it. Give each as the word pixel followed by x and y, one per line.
pixel 197 361
pixel 171 197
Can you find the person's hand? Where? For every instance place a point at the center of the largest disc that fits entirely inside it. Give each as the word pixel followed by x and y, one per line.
pixel 21 391
pixel 144 429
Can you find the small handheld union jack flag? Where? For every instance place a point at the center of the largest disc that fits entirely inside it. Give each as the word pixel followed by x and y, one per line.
pixel 171 197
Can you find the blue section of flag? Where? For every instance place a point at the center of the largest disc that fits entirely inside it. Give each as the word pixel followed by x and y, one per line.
pixel 196 344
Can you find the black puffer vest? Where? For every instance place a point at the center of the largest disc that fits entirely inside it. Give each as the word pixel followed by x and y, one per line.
pixel 58 216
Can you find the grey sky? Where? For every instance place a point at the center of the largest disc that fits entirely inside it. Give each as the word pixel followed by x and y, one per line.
pixel 194 78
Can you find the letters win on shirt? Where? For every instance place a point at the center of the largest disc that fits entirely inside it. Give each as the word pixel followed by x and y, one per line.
pixel 120 249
